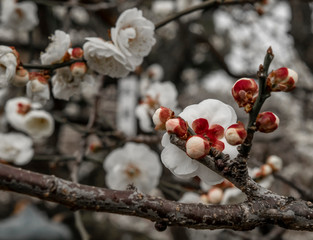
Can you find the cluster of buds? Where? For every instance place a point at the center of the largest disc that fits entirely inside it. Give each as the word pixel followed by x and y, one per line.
pixel 197 146
pixel 282 79
pixel 236 134
pixel 273 164
pixel 78 69
pixel 245 92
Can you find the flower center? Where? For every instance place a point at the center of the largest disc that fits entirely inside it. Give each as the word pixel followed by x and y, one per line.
pixel 23 108
pixel 132 171
pixel 212 133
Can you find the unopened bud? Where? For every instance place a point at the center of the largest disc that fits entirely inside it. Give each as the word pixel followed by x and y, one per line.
pixel 265 170
pixel 267 122
pixel 197 147
pixel 215 195
pixel 275 162
pixel 245 92
pixel 78 69
pixel 21 77
pixel 77 53
pixel 160 116
pixel 177 126
pixel 282 79
pixel 38 82
pixel 236 134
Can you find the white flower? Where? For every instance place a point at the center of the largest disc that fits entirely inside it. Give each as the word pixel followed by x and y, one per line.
pixel 158 94
pixel 134 36
pixel 64 85
pixel 16 148
pixel 16 110
pixel 57 49
pixel 79 15
pixel 133 164
pixel 39 124
pixel 8 64
pixel 19 16
pixel 38 89
pixel 105 58
pixel 177 160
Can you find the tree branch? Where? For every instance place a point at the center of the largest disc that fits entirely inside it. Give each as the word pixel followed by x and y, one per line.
pixel 285 212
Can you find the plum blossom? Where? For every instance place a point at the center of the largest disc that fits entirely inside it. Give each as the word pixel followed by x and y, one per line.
pixel 65 85
pixel 57 50
pixel 134 36
pixel 39 124
pixel 16 148
pixel 104 57
pixel 20 16
pixel 38 88
pixel 8 63
pixel 158 94
pixel 36 123
pixel 16 110
pixel 176 160
pixel 133 164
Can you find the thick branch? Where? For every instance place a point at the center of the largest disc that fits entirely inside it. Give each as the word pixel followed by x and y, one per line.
pixel 288 213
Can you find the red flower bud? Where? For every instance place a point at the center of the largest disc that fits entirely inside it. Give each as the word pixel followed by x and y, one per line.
pixel 197 147
pixel 177 126
pixel 160 116
pixel 236 134
pixel 78 69
pixel 245 92
pixel 267 122
pixel 200 125
pixel 282 79
pixel 77 52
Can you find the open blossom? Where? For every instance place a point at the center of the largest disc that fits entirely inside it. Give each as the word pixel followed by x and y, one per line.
pixel 158 94
pixel 133 164
pixel 16 148
pixel 16 110
pixel 38 124
pixel 104 57
pixel 20 16
pixel 38 88
pixel 8 63
pixel 216 113
pixel 134 36
pixel 57 50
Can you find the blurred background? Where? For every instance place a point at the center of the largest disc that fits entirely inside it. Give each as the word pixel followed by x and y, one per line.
pixel 202 54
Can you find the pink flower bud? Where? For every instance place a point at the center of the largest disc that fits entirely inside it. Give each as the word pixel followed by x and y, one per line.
pixel 77 52
pixel 160 116
pixel 21 77
pixel 282 79
pixel 275 162
pixel 267 122
pixel 236 134
pixel 78 69
pixel 215 195
pixel 197 147
pixel 177 126
pixel 245 92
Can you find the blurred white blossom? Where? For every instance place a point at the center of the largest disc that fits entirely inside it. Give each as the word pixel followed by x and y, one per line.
pixel 57 49
pixel 104 57
pixel 157 94
pixel 20 16
pixel 38 124
pixel 8 63
pixel 37 88
pixel 135 163
pixel 134 36
pixel 177 161
pixel 16 148
pixel 79 15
